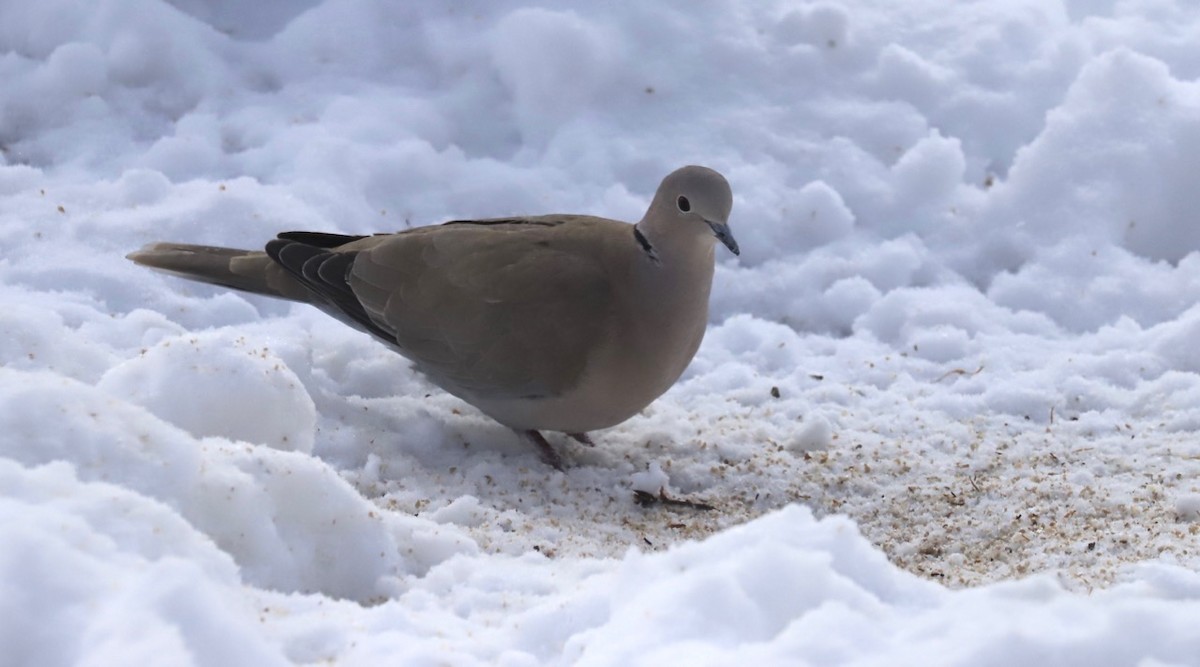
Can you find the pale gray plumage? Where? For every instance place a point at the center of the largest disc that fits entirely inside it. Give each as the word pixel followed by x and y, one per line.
pixel 559 322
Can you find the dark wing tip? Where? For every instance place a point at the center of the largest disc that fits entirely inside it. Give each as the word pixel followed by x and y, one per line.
pixel 319 239
pixel 326 274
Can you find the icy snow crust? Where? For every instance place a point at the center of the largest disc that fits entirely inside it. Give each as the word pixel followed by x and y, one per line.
pixel 946 411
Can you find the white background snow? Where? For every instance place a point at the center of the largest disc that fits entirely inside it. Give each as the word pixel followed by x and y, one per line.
pixel 946 411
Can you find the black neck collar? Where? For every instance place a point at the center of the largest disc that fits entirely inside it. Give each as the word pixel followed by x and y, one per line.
pixel 645 244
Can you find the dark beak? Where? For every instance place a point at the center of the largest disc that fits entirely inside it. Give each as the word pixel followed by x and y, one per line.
pixel 721 231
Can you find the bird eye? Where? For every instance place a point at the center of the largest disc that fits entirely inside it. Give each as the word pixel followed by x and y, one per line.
pixel 684 204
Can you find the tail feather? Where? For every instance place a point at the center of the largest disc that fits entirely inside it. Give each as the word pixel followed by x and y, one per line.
pixel 246 270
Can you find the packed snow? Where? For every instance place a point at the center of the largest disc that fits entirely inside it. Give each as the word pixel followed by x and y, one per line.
pixel 946 412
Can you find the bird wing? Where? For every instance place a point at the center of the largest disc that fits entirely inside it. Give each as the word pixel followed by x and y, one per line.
pixel 501 308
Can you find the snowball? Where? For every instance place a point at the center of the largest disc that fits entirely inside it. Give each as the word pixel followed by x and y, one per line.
pixel 288 520
pixel 942 343
pixel 1083 286
pixel 554 62
pixel 1175 342
pixel 905 75
pixel 827 217
pixel 464 511
pixel 816 435
pixel 1115 162
pixel 1187 507
pixel 195 148
pixel 753 341
pixel 144 186
pixel 117 575
pixel 847 299
pixel 77 69
pixel 927 176
pixel 1015 397
pixel 219 384
pixel 788 220
pixel 651 480
pixel 900 313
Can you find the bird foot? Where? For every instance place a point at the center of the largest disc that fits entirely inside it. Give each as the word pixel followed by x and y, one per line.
pixel 545 452
pixel 582 438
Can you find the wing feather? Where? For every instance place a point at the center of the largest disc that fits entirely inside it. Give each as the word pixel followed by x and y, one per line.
pixel 494 312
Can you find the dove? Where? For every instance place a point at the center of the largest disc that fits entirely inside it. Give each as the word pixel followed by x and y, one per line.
pixel 567 322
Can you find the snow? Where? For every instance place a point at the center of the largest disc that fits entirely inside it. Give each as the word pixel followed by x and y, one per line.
pixel 945 412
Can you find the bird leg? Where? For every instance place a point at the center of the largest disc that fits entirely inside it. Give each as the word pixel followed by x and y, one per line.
pixel 582 438
pixel 545 452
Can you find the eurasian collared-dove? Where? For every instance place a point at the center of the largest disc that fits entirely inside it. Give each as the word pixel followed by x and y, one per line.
pixel 559 322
